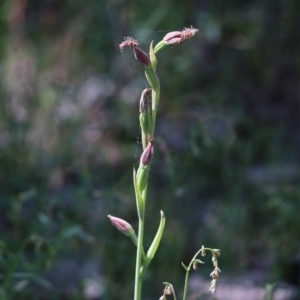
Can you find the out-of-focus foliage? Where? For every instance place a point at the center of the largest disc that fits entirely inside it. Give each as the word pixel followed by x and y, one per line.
pixel 226 167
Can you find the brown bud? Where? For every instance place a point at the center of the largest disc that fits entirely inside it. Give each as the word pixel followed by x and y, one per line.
pixel 148 153
pixel 142 57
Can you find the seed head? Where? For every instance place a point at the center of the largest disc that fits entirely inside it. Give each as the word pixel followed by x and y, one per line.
pixel 213 286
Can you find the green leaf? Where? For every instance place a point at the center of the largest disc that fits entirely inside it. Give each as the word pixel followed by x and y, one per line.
pixel 152 77
pixel 184 266
pixel 153 58
pixel 138 197
pixel 159 46
pixel 199 261
pixel 155 243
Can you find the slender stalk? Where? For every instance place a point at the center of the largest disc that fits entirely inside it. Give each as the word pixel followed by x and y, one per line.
pixel 186 283
pixel 138 276
pixel 140 254
pixel 140 250
pixel 188 271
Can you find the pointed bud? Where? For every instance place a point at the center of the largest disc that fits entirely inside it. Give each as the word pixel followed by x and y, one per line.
pixel 172 38
pixel 145 101
pixel 142 57
pixel 122 226
pixel 146 156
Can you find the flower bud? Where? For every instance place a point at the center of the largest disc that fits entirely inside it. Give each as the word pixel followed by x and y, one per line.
pixel 172 38
pixel 143 171
pixel 145 101
pixel 142 57
pixel 216 253
pixel 122 225
pixel 146 156
pixel 168 292
pixel 176 37
pixel 196 262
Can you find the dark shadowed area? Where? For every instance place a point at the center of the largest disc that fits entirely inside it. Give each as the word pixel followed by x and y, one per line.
pixel 226 169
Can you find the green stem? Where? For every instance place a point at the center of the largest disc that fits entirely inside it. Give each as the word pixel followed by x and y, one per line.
pixel 186 283
pixel 138 277
pixel 140 254
pixel 140 250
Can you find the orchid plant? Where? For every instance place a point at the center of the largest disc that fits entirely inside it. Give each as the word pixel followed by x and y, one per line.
pixel 148 106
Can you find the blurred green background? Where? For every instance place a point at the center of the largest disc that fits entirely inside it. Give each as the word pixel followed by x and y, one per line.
pixel 226 168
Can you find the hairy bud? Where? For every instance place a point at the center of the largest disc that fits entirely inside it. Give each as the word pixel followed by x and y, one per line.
pixel 176 37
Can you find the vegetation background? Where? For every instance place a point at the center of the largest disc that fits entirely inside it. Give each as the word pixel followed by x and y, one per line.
pixel 226 168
